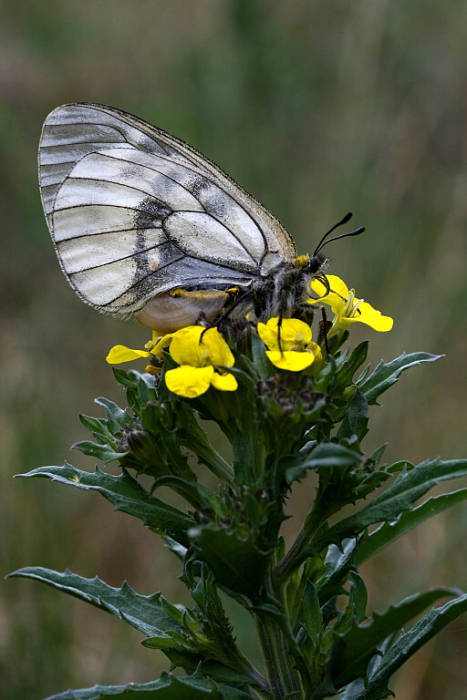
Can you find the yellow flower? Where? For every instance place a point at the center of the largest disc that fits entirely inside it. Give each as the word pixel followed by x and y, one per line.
pixel 296 350
pixel 347 307
pixel 200 353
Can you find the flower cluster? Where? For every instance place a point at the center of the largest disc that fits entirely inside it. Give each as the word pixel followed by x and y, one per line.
pixel 204 357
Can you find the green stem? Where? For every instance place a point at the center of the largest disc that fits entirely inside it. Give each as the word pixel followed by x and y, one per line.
pixel 279 648
pixel 271 655
pixel 250 670
pixel 215 462
pixel 305 543
pixel 294 557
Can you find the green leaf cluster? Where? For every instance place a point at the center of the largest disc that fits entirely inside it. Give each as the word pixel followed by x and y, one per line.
pixel 309 601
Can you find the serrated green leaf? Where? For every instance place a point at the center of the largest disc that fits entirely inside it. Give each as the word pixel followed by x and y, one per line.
pixel 324 455
pixel 337 564
pixel 354 649
pixel 116 416
pixel 407 644
pixel 358 597
pixel 151 614
pixel 178 549
pixel 400 496
pixel 140 388
pixel 344 375
pixel 386 374
pixel 389 532
pixel 123 377
pixel 312 617
pixel 197 495
pixel 103 452
pixel 375 457
pixel 167 687
pixel 331 454
pixel 236 562
pixel 355 421
pixel 356 689
pixel 232 693
pixel 98 426
pixel 126 494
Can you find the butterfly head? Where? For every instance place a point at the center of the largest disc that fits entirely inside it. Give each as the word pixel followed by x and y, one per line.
pixel 309 264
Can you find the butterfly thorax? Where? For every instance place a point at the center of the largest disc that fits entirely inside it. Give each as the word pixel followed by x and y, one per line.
pixel 286 287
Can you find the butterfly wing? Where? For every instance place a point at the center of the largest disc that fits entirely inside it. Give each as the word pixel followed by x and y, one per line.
pixel 134 212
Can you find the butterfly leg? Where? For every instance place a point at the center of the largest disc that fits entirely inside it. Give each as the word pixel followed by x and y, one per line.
pixel 282 303
pixel 325 329
pixel 239 300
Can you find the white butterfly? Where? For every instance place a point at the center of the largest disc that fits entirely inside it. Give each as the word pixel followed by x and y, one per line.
pixel 143 224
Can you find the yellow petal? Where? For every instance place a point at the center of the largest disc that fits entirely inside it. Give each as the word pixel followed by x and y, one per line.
pixel 336 298
pixel 366 314
pixel 336 285
pixel 292 332
pixel 185 346
pixel 290 359
pixel 316 350
pixel 224 382
pixel 120 353
pixel 189 381
pixel 156 338
pixel 268 334
pixel 218 352
pixel 160 344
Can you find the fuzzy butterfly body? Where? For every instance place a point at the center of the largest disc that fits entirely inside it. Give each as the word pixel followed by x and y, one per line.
pixel 143 224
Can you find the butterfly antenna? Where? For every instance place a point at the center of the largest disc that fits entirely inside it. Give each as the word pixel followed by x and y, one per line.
pixel 343 221
pixel 356 232
pixel 324 242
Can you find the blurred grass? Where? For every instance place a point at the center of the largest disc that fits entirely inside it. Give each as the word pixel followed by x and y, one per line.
pixel 317 109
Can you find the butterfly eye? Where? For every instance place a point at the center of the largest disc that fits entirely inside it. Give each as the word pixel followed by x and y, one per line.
pixel 314 264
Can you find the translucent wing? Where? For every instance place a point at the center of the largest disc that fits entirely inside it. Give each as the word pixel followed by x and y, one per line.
pixel 134 212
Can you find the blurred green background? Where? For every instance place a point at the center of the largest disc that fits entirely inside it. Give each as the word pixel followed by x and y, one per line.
pixel 317 109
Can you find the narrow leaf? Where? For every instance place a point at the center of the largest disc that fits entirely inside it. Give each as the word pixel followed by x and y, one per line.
pixel 346 372
pixel 151 614
pixel 116 416
pixel 407 644
pixel 336 567
pixel 312 617
pixel 126 494
pixel 98 426
pixel 389 532
pixel 197 495
pixel 93 449
pixel 167 687
pixel 354 649
pixel 355 421
pixel 400 496
pixel 324 455
pixel 386 374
